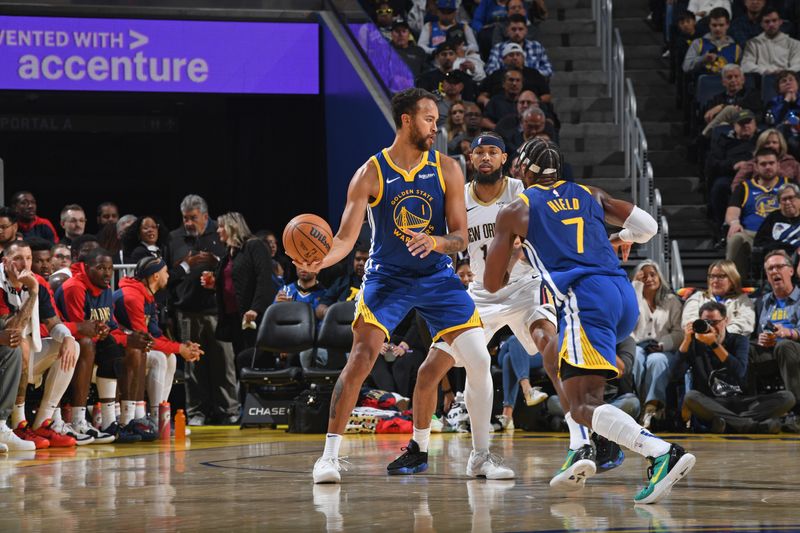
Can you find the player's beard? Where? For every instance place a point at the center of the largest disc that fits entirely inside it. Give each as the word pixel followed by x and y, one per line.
pixel 419 140
pixel 488 179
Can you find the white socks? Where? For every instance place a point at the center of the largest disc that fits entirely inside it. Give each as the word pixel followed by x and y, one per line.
pixel 128 412
pixel 422 437
pixel 46 411
pixel 54 388
pixel 617 426
pixel 78 414
pixel 578 434
pixel 17 415
pixel 332 443
pixel 108 413
pixel 139 412
pixel 471 350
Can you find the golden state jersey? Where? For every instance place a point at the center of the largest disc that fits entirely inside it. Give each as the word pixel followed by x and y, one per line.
pixel 481 217
pixel 407 200
pixel 567 234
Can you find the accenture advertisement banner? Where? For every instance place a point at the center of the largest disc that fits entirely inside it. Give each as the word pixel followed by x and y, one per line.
pixel 78 54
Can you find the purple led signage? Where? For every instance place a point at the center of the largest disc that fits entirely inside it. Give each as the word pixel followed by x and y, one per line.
pixel 72 54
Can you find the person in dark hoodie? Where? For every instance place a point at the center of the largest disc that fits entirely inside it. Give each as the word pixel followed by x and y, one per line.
pixel 135 309
pixel 194 248
pixel 87 295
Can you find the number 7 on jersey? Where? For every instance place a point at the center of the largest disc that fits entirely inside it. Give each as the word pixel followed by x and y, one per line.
pixel 577 221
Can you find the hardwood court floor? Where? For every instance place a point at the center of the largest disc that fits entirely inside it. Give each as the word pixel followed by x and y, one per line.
pixel 225 479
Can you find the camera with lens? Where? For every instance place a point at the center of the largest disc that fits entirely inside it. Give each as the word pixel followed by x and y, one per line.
pixel 701 326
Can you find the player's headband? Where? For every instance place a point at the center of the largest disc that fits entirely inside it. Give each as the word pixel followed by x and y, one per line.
pixel 488 140
pixel 150 267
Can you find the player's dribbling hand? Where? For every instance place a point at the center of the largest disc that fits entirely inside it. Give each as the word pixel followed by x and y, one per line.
pixel 421 244
pixel 621 246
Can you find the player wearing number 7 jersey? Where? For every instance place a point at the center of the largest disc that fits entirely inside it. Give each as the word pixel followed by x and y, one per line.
pixel 564 224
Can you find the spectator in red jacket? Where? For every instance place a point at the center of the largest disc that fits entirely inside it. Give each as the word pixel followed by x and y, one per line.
pixel 135 308
pixel 87 296
pixel 23 203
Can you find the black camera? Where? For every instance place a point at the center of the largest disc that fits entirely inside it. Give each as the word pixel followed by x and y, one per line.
pixel 701 326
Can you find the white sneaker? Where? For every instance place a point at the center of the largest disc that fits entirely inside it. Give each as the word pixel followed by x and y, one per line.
pixel 535 396
pixel 506 422
pixel 488 465
pixel 81 439
pixel 83 427
pixel 326 470
pixel 13 443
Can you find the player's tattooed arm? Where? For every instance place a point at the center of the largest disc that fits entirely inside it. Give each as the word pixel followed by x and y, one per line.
pixel 451 243
pixel 455 209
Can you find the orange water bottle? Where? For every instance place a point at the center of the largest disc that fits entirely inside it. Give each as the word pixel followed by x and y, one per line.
pixel 180 426
pixel 97 416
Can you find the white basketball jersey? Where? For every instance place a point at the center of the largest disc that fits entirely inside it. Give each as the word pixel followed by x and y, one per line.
pixel 481 217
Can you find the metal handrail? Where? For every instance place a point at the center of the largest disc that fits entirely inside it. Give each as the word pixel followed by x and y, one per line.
pixel 120 271
pixel 676 266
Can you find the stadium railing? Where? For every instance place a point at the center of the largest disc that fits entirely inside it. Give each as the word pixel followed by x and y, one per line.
pixel 633 141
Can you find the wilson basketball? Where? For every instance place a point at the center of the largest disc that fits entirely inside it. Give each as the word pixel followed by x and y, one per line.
pixel 307 238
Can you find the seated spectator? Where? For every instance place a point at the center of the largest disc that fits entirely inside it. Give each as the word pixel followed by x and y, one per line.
pixel 750 204
pixel 472 126
pixel 725 107
pixel 511 123
pixel 535 54
pixel 41 257
pixel 107 213
pixel 532 79
pixel 682 39
pixel 433 80
pixel 745 27
pixel 434 33
pixel 517 7
pixel 718 364
pixel 242 282
pixel 787 164
pixel 73 222
pixel 488 12
pixel 727 150
pixel 532 124
pixel 784 103
pixel 778 320
pixel 414 56
pixel 505 103
pixel 62 257
pixel 306 289
pixel 467 60
pixel 455 121
pixel 283 271
pixel 395 369
pixel 80 248
pixel 347 287
pixel 452 88
pixel 657 335
pixel 517 365
pixel 710 53
pixel 8 227
pixel 781 229
pixel 773 50
pixel 120 358
pixel 725 287
pixel 704 8
pixel 384 16
pixel 110 238
pixel 146 237
pixel 23 203
pixel 464 272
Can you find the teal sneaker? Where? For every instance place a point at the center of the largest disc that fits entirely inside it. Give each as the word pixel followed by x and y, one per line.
pixel 664 471
pixel 579 466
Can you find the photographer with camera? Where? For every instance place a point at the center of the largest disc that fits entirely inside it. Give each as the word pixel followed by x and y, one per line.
pixel 718 366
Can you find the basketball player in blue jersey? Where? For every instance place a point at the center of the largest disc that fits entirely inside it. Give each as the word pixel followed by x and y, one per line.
pixel 564 224
pixel 414 198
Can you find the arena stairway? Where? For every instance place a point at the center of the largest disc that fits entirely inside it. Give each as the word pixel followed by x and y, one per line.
pixel 676 176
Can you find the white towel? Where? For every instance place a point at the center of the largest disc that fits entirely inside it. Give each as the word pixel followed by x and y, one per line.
pixel 16 299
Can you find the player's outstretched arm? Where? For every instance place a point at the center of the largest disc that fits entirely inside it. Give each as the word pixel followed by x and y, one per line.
pixel 363 185
pixel 455 210
pixel 637 225
pixel 512 220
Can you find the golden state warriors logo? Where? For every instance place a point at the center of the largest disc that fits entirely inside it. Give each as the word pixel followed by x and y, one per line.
pixel 412 212
pixel 766 203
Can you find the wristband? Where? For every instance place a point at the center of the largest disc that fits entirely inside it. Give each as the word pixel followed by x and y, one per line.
pixel 714 345
pixel 60 332
pixel 433 239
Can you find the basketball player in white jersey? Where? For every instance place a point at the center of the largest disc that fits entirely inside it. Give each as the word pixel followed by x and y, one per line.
pixel 522 303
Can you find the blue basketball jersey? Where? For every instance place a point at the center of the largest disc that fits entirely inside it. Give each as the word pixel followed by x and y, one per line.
pixel 567 237
pixel 759 202
pixel 411 200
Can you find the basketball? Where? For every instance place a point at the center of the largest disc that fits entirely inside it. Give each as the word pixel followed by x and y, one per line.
pixel 307 238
